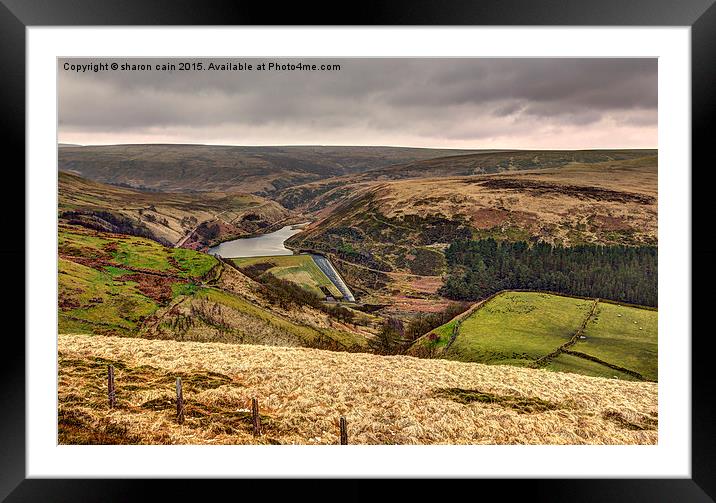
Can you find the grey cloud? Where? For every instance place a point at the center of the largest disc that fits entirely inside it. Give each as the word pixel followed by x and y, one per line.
pixel 390 97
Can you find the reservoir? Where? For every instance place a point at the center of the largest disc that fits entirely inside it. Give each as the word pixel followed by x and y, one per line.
pixel 267 244
pixel 271 244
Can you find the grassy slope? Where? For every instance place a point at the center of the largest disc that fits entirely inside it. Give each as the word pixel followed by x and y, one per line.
pixel 94 285
pixel 517 328
pixel 302 393
pixel 300 269
pixel 93 297
pixel 168 216
pixel 133 253
pixel 120 285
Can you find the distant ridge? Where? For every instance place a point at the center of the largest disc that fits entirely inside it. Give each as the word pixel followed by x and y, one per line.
pixel 267 171
pixel 261 170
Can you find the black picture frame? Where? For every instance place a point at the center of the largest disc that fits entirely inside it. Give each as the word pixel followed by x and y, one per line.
pixel 700 15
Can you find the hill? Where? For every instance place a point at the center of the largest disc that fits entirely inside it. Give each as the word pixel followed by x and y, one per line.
pixel 166 217
pixel 207 168
pixel 611 203
pixel 303 392
pixel 487 162
pixel 500 161
pixel 121 285
pixel 585 336
pixel 375 230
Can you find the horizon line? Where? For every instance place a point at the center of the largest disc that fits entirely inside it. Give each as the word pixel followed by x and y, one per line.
pixel 343 145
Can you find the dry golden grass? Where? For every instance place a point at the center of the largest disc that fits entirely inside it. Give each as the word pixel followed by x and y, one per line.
pixel 303 392
pixel 564 210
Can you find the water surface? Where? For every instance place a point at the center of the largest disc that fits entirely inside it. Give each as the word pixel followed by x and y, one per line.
pixel 267 244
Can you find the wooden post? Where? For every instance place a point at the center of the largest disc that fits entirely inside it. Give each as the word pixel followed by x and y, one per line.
pixel 255 416
pixel 180 402
pixel 344 431
pixel 111 393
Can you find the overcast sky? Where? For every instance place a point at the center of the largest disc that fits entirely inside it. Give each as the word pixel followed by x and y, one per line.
pixel 461 103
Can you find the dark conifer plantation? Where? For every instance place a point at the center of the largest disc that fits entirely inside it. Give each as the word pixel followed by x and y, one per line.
pixel 622 273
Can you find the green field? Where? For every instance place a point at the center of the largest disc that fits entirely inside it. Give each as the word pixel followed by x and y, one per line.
pixel 299 269
pixel 623 336
pixel 576 365
pixel 519 328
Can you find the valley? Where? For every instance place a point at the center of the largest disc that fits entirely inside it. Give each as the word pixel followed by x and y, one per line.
pixel 364 251
pixel 497 264
pixel 383 230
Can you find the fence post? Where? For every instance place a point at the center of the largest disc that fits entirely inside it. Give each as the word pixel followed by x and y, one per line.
pixel 180 402
pixel 344 431
pixel 255 416
pixel 111 393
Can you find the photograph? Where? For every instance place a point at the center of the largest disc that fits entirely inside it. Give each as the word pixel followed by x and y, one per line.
pixel 357 250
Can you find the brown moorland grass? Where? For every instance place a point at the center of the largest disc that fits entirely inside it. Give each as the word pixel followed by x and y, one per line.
pixel 303 392
pixel 166 216
pixel 611 202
